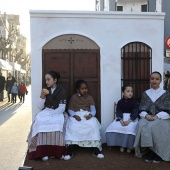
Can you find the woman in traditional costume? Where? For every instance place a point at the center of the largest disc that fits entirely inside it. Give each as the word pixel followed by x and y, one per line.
pixel 9 83
pixel 121 132
pixel 47 136
pixel 154 126
pixel 82 128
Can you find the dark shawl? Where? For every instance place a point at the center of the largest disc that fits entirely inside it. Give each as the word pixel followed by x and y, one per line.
pixel 152 108
pixel 58 96
pixel 127 106
pixel 78 102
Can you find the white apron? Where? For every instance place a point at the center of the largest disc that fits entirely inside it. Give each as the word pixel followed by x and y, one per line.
pixel 48 121
pixel 84 129
pixel 116 126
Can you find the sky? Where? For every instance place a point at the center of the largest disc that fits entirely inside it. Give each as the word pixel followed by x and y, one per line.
pixel 22 7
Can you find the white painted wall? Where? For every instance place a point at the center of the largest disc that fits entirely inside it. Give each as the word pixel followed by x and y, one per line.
pixel 106 5
pixel 159 5
pixel 111 31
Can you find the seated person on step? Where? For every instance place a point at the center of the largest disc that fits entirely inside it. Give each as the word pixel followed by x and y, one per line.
pixel 47 136
pixel 82 128
pixel 121 132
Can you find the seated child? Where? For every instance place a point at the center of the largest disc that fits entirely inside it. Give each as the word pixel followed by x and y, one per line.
pixel 121 132
pixel 46 137
pixel 82 128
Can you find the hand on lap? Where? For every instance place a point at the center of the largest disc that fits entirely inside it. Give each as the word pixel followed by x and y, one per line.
pixel 77 118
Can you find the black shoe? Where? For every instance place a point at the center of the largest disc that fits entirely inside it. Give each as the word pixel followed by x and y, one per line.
pixel 156 161
pixel 156 158
pixel 96 151
pixel 69 150
pixel 149 157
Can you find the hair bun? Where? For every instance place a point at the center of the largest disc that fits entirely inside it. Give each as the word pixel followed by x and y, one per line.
pixel 54 74
pixel 58 75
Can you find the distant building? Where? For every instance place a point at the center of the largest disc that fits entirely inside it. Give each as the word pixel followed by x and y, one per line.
pixel 129 5
pixel 140 6
pixel 13 55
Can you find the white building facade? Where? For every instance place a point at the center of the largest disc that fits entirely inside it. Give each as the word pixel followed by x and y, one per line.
pixel 110 31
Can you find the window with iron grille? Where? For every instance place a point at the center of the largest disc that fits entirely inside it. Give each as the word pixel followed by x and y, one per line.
pixel 119 8
pixel 144 8
pixel 136 63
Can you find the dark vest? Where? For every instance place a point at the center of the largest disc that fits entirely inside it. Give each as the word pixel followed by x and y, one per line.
pixel 53 100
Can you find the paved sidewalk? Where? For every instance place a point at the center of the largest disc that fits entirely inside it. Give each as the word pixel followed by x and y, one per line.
pixel 15 121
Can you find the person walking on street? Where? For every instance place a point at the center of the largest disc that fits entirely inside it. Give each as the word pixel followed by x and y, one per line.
pixel 2 84
pixel 14 92
pixel 9 84
pixel 22 91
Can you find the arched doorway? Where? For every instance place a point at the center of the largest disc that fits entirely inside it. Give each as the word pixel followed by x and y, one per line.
pixel 136 60
pixel 75 57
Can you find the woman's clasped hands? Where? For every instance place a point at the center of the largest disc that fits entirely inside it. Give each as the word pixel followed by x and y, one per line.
pixel 151 117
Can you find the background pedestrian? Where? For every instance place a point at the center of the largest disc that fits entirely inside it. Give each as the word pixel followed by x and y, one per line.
pixel 14 92
pixel 2 84
pixel 22 91
pixel 9 84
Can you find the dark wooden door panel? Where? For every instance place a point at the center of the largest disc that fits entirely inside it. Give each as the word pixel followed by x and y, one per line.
pixel 74 65
pixel 58 61
pixel 85 65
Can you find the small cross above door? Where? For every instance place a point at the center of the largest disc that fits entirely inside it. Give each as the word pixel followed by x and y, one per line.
pixel 71 40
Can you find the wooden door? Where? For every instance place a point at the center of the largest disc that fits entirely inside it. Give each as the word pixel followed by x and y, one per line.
pixel 74 65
